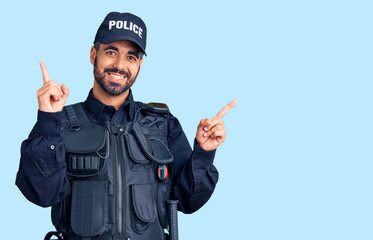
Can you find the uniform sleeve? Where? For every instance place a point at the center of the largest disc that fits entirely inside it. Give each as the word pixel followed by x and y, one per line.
pixel 41 175
pixel 195 175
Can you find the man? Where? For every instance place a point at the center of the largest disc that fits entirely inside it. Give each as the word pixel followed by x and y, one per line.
pixel 108 166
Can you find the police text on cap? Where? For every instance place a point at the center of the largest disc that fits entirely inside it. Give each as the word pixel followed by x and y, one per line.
pixel 123 25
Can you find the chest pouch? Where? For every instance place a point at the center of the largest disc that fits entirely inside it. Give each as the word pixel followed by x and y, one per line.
pixel 149 130
pixel 86 150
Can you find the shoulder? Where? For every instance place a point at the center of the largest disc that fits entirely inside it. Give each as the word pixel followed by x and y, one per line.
pixel 174 127
pixel 154 107
pixel 161 109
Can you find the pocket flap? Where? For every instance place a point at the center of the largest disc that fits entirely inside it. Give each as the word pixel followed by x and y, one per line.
pixel 143 204
pixel 84 140
pixel 134 150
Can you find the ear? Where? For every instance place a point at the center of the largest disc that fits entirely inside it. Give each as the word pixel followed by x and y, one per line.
pixel 92 55
pixel 142 59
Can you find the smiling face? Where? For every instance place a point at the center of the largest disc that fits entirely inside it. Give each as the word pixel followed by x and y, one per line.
pixel 116 66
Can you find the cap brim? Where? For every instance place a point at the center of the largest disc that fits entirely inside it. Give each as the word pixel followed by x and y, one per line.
pixel 111 39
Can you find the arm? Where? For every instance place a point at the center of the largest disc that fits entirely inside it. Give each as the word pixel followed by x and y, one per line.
pixel 195 176
pixel 42 171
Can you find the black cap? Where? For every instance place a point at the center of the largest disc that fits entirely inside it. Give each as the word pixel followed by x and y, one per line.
pixel 122 26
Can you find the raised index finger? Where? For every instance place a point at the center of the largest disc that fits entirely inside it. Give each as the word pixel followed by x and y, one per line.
pixel 45 72
pixel 226 109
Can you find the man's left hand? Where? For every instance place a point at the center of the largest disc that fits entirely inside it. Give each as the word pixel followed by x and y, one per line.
pixel 211 132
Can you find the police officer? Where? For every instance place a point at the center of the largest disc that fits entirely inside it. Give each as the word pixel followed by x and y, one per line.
pixel 108 165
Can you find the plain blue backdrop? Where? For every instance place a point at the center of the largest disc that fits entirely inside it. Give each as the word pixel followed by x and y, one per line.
pixel 297 163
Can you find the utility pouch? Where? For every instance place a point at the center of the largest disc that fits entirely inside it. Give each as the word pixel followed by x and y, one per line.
pixel 86 150
pixel 88 208
pixel 144 208
pixel 144 127
pixel 139 162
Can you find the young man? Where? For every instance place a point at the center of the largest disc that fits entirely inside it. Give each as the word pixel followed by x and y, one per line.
pixel 107 166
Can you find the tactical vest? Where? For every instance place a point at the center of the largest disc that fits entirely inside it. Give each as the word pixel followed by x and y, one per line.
pixel 120 176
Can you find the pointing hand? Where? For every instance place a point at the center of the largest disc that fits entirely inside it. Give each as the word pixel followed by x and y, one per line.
pixel 211 132
pixel 51 96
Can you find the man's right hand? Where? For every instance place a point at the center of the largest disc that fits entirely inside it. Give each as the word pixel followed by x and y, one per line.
pixel 51 96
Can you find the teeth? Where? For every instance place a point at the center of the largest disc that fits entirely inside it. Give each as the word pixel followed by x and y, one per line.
pixel 116 76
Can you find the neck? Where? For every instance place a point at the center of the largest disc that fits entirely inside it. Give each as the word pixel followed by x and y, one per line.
pixel 107 99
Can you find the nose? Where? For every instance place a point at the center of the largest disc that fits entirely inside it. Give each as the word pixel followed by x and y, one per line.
pixel 120 62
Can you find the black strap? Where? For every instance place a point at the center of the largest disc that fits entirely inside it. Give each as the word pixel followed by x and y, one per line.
pixel 73 120
pixel 56 234
pixel 76 114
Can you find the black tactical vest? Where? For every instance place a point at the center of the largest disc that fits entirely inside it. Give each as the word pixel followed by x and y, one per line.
pixel 120 176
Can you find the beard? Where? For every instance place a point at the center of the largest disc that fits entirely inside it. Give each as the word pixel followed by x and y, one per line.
pixel 113 88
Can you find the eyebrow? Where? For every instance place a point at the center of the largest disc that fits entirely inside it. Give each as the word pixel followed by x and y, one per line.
pixel 112 48
pixel 134 53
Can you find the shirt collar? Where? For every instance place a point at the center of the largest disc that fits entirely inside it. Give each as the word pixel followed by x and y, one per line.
pixel 96 107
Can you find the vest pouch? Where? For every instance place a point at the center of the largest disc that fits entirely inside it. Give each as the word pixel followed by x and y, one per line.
pixel 140 162
pixel 86 150
pixel 159 148
pixel 143 207
pixel 89 214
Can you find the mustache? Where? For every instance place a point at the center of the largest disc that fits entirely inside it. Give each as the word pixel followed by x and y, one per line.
pixel 116 70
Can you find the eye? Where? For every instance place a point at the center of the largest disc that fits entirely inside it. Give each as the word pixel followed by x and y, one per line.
pixel 132 58
pixel 111 53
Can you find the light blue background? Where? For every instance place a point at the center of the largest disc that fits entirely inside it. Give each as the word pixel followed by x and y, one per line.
pixel 297 163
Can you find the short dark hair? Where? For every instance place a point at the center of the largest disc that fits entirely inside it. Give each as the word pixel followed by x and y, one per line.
pixel 97 47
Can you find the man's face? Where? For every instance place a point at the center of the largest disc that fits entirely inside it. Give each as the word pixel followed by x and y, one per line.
pixel 116 66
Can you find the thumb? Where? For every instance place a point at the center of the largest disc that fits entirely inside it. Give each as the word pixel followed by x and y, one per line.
pixel 65 92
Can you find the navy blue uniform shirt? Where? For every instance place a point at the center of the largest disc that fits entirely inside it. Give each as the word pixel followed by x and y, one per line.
pixel 42 172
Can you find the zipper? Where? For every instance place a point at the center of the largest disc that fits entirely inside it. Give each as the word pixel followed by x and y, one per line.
pixel 120 182
pixel 119 187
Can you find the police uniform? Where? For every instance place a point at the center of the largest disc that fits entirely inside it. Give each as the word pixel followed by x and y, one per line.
pixel 42 174
pixel 108 173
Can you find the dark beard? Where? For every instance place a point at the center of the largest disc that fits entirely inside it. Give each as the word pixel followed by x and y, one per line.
pixel 113 88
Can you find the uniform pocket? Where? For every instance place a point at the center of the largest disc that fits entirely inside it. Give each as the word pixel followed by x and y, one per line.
pixel 88 208
pixel 143 206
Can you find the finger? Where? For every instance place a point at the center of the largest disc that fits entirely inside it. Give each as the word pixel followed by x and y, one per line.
pixel 65 92
pixel 54 85
pixel 213 122
pixel 204 123
pixel 226 109
pixel 55 94
pixel 212 130
pixel 50 90
pixel 45 72
pixel 51 83
pixel 220 135
pixel 46 94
